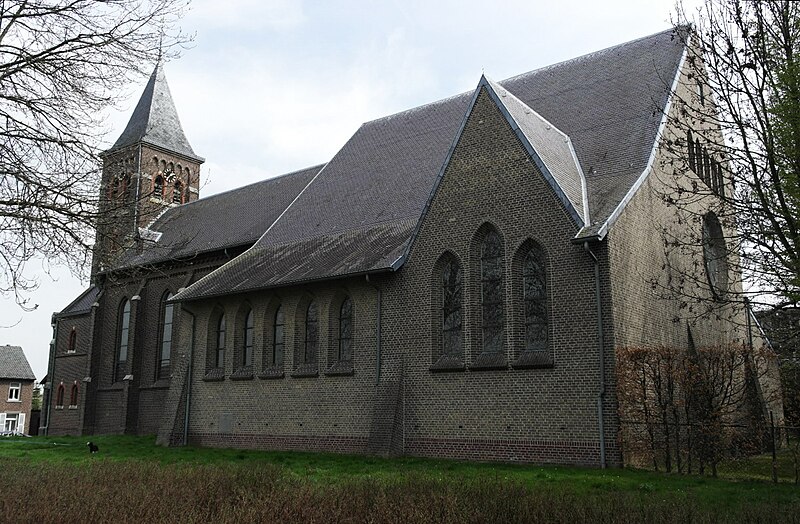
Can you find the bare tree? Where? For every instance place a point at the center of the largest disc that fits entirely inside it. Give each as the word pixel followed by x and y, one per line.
pixel 62 64
pixel 740 115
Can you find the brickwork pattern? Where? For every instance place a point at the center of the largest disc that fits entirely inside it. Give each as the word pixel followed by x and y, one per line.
pixel 21 406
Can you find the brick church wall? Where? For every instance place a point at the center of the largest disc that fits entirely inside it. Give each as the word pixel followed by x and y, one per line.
pixel 544 415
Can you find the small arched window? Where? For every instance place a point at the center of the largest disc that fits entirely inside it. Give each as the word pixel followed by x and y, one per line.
pixel 72 343
pixel 60 396
pixel 158 187
pixel 345 346
pixel 492 314
pixel 451 308
pixel 534 286
pixel 247 354
pixel 167 309
pixel 73 396
pixel 177 193
pixel 278 340
pixel 123 328
pixel 219 358
pixel 311 338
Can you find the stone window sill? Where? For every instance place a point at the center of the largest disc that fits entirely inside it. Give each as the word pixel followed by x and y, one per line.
pixel 242 374
pixel 214 375
pixel 533 360
pixel 73 407
pixel 306 370
pixel 448 363
pixel 341 368
pixel 489 361
pixel 271 373
pixel 59 407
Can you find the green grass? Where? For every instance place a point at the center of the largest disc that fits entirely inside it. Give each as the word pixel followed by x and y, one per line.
pixel 355 488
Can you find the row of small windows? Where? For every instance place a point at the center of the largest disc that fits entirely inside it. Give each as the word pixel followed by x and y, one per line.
pixel 306 358
pixel 706 167
pixel 73 396
pixel 529 273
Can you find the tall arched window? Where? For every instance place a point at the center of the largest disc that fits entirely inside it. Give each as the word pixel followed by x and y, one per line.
pixel 690 149
pixel 163 369
pixel 158 187
pixel 73 338
pixel 492 314
pixel 345 349
pixel 177 193
pixel 73 396
pixel 124 321
pixel 219 356
pixel 60 396
pixel 247 354
pixel 311 339
pixel 278 337
pixel 451 308
pixel 534 286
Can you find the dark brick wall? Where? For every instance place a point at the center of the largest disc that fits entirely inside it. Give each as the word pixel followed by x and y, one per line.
pixel 70 368
pixel 544 415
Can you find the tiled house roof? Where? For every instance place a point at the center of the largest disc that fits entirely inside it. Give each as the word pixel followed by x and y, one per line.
pixel 359 213
pixel 82 304
pixel 14 365
pixel 225 220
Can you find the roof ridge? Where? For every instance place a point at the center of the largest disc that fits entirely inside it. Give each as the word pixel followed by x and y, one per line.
pixel 586 55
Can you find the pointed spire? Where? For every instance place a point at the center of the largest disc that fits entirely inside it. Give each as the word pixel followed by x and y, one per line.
pixel 155 120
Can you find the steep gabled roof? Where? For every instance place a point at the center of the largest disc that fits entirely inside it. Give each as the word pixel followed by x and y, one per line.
pixel 155 120
pixel 82 304
pixel 14 365
pixel 605 109
pixel 232 219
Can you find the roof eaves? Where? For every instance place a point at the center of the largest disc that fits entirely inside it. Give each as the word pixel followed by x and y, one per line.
pixel 614 216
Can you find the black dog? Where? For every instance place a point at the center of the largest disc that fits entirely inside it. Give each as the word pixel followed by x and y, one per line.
pixel 92 447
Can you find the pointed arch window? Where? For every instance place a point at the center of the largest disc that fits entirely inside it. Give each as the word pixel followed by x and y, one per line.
pixel 345 346
pixel 452 291
pixel 492 314
pixel 167 312
pixel 690 150
pixel 73 396
pixel 278 339
pixel 247 354
pixel 219 354
pixel 73 339
pixel 534 285
pixel 124 320
pixel 311 338
pixel 60 396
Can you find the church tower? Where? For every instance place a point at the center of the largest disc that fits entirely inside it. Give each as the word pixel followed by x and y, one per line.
pixel 150 168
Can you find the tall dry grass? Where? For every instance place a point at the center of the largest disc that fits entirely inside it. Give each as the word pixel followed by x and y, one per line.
pixel 119 492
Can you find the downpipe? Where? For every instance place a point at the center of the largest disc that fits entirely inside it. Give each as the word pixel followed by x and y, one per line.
pixel 189 383
pixel 601 354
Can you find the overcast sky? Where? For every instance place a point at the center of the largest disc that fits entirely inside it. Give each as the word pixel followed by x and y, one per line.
pixel 272 86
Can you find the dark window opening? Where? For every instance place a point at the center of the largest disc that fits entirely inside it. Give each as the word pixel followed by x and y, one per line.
pixel 535 298
pixel 247 354
pixel 345 352
pixel 311 342
pixel 278 337
pixel 493 322
pixel 164 365
pixel 452 290
pixel 219 360
pixel 122 345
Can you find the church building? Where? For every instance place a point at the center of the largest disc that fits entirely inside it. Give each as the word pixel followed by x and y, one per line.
pixel 454 282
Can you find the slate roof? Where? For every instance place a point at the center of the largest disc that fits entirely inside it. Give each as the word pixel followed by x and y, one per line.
pixel 14 365
pixel 155 120
pixel 225 220
pixel 609 104
pixel 82 304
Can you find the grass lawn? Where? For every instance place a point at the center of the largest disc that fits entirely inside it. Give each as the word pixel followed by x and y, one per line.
pixel 132 480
